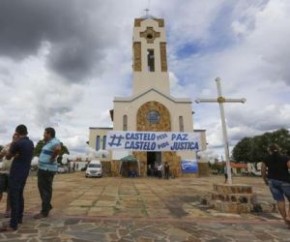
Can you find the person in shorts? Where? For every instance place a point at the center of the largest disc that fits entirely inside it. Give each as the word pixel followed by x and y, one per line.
pixel 276 175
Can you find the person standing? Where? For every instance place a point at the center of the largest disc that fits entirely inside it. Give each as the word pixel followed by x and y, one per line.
pixel 21 151
pixel 226 173
pixel 275 174
pixel 4 174
pixel 47 167
pixel 166 170
pixel 159 170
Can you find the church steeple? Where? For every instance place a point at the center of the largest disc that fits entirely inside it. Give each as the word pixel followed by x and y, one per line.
pixel 149 56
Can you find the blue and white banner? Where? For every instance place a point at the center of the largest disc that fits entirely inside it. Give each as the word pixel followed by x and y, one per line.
pixel 152 141
pixel 189 166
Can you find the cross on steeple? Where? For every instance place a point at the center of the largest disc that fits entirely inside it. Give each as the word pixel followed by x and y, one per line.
pixel 221 100
pixel 147 12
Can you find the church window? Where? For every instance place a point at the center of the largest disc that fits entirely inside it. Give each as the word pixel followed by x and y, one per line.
pixel 150 60
pixel 153 117
pixel 125 122
pixel 98 141
pixel 149 36
pixel 104 142
pixel 181 124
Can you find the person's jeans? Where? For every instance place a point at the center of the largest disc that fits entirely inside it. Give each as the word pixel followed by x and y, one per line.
pixel 279 189
pixel 16 187
pixel 45 179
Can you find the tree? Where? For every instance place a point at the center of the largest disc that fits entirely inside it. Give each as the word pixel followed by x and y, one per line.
pixel 243 150
pixel 254 149
pixel 38 147
pixel 41 143
pixel 282 138
pixel 64 150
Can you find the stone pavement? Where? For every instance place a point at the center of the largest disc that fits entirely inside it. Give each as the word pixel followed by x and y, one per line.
pixel 143 210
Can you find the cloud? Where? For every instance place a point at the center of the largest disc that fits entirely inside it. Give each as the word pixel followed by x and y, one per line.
pixel 252 65
pixel 70 26
pixel 63 62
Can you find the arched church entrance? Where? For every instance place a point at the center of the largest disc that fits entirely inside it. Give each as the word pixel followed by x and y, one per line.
pixel 153 159
pixel 154 116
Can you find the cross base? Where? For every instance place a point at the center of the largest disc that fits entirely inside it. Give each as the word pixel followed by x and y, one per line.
pixel 233 198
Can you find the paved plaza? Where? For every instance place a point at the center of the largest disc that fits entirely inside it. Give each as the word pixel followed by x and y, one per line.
pixel 143 210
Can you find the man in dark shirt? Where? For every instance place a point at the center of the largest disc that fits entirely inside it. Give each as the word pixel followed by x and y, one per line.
pixel 275 174
pixel 22 152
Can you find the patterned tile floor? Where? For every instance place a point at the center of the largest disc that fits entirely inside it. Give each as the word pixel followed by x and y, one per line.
pixel 142 210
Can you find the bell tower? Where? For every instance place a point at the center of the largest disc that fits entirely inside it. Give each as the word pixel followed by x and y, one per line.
pixel 149 56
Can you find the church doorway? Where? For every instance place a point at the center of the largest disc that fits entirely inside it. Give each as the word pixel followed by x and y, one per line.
pixel 153 159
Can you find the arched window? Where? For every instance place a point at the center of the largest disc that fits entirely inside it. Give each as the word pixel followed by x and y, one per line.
pixel 104 142
pixel 181 125
pixel 98 141
pixel 153 117
pixel 125 122
pixel 150 60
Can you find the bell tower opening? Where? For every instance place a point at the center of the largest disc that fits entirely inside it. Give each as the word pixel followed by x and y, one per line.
pixel 150 60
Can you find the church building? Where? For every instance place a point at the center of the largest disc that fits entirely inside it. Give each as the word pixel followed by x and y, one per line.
pixel 151 106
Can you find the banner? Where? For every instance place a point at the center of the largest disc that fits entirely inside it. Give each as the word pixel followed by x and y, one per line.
pixel 189 166
pixel 152 141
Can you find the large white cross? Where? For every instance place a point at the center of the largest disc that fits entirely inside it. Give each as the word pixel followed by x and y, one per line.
pixel 221 100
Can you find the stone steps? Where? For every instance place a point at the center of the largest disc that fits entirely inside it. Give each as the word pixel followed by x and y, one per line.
pixel 236 198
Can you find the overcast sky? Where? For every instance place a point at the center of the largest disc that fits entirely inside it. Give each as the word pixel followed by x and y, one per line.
pixel 63 61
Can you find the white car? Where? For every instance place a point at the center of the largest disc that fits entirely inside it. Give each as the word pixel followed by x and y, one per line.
pixel 94 169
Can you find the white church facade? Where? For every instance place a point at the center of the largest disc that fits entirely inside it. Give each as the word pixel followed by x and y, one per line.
pixel 151 106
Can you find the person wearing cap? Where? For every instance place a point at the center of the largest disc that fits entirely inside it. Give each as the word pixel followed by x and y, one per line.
pixel 276 175
pixel 21 151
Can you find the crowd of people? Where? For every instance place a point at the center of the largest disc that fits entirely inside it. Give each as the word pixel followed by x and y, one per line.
pixel 16 164
pixel 157 170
